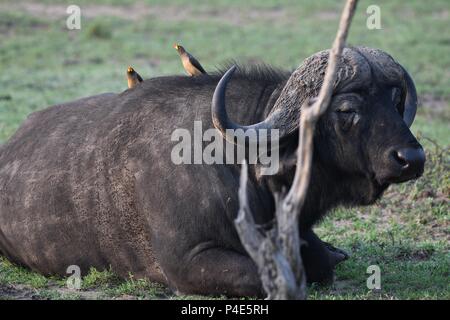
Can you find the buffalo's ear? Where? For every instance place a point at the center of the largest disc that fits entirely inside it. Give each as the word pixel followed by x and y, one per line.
pixel 410 100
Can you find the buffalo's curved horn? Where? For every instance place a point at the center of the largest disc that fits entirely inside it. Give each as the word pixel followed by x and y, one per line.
pixel 222 122
pixel 410 101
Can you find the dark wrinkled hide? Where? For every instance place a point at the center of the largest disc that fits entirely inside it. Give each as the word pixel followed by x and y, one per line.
pixel 90 182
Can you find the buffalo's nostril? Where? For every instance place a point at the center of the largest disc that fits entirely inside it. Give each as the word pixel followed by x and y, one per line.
pixel 411 160
pixel 400 158
pixel 414 157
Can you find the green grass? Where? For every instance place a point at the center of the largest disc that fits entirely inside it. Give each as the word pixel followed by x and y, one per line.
pixel 17 275
pixel 406 233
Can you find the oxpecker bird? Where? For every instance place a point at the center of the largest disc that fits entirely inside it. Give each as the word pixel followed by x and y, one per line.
pixel 133 77
pixel 190 64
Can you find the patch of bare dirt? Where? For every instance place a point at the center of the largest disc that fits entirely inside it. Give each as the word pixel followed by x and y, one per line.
pixel 417 255
pixel 57 11
pixel 141 10
pixel 238 17
pixel 441 15
pixel 17 292
pixel 79 294
pixel 327 15
pixel 23 292
pixel 434 103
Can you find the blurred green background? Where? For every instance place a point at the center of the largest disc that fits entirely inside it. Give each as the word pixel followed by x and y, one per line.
pixel 43 63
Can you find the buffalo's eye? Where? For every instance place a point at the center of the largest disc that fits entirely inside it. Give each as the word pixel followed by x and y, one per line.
pixel 397 99
pixel 347 118
pixel 346 108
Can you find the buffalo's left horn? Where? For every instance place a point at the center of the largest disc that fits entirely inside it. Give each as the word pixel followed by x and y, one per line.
pixel 222 122
pixel 410 100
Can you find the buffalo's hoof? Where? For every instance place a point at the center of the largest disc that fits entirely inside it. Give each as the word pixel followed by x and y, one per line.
pixel 336 255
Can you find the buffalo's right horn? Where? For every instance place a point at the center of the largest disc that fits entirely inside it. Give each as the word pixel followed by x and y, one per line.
pixel 410 100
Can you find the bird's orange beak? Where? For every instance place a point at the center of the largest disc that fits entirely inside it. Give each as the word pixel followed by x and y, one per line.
pixel 130 69
pixel 175 45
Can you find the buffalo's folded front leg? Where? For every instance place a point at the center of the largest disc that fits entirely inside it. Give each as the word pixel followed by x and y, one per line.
pixel 217 271
pixel 337 255
pixel 320 258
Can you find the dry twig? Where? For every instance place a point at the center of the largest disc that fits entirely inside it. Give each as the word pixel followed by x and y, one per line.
pixel 277 252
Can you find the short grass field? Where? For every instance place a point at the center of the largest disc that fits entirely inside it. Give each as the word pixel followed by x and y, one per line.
pixel 406 234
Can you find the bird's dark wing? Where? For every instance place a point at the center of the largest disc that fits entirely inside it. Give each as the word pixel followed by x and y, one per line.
pixel 139 77
pixel 196 64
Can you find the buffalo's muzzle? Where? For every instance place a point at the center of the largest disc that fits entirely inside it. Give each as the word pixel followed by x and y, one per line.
pixel 409 162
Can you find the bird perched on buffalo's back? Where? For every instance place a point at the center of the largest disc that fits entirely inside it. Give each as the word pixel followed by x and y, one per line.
pixel 190 64
pixel 133 77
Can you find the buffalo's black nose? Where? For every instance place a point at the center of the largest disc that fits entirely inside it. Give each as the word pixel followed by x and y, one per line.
pixel 411 161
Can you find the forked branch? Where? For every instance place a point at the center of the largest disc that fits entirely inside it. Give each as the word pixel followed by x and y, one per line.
pixel 277 251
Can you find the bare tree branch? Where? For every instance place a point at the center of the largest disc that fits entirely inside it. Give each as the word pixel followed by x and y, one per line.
pixel 311 113
pixel 277 252
pixel 263 248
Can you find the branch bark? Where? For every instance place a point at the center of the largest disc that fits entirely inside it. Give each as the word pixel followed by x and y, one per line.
pixel 277 252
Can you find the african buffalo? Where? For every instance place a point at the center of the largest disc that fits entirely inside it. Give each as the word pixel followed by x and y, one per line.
pixel 91 183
